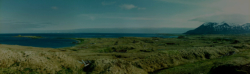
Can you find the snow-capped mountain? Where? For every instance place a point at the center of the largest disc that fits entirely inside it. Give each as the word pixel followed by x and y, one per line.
pixel 221 28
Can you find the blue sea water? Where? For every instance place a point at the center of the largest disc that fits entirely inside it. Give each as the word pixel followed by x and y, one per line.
pixel 57 40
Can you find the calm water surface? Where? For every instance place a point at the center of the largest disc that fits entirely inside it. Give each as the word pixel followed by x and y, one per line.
pixel 55 40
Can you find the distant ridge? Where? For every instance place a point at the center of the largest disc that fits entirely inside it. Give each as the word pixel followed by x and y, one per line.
pixel 122 30
pixel 221 28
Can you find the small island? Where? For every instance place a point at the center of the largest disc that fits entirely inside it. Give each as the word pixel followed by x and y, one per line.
pixel 33 37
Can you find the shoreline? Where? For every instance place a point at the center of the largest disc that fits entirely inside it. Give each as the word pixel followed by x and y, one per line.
pixel 33 37
pixel 148 53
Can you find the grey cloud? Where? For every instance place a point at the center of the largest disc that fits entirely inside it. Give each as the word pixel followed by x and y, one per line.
pixel 128 6
pixel 131 6
pixel 54 7
pixel 230 18
pixel 190 2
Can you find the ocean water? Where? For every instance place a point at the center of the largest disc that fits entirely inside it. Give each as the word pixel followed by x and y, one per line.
pixel 57 40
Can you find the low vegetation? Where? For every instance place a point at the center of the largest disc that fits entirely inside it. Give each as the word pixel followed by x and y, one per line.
pixel 234 64
pixel 37 62
pixel 133 55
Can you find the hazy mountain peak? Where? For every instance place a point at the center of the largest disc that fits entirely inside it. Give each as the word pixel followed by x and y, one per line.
pixel 221 28
pixel 209 23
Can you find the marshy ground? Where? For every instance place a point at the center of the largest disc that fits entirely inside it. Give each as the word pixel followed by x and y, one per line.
pixel 186 54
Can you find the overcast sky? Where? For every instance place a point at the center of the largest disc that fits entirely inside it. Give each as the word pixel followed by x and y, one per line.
pixel 32 15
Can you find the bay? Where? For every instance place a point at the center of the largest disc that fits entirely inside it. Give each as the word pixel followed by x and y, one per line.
pixel 59 40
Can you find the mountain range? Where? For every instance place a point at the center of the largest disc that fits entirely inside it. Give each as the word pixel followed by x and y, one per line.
pixel 220 28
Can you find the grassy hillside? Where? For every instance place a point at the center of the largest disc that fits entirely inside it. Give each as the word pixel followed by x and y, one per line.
pixel 36 62
pixel 135 55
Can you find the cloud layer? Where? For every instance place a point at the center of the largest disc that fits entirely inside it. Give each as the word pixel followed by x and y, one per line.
pixel 232 11
pixel 230 18
pixel 120 13
pixel 54 8
pixel 128 6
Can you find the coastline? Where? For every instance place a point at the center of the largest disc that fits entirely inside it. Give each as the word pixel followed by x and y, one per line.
pixel 33 37
pixel 149 52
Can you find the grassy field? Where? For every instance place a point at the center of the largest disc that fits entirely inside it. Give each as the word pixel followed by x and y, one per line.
pixel 186 54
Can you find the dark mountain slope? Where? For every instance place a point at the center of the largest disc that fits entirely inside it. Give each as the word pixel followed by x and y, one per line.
pixel 220 28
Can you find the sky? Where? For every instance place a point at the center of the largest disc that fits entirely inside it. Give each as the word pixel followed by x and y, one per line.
pixel 24 16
